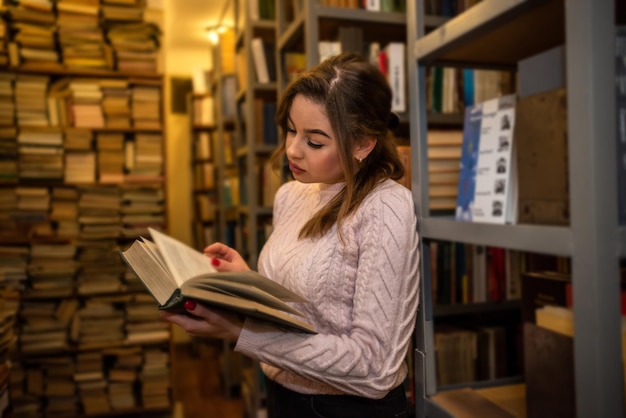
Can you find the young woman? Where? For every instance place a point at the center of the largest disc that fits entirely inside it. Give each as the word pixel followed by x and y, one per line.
pixel 344 237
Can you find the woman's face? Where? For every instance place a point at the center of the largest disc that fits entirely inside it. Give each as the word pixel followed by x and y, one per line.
pixel 311 145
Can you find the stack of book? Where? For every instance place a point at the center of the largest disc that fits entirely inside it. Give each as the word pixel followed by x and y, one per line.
pixel 146 106
pixel 110 151
pixel 13 268
pixel 51 270
pixel 64 211
pixel 32 24
pixel 101 268
pixel 115 103
pixel 144 165
pixel 143 323
pixel 92 280
pixel 7 98
pixel 86 107
pixel 142 207
pixel 41 330
pixel 80 167
pixel 155 379
pixel 8 339
pixel 123 375
pixel 80 159
pixel 99 322
pixel 135 42
pixel 33 203
pixel 59 386
pixel 98 212
pixel 444 157
pixel 91 383
pixel 4 50
pixel 40 154
pixel 30 100
pixel 81 39
pixel 8 155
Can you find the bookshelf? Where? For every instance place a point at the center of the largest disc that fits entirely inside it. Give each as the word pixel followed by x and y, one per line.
pixel 223 88
pixel 254 139
pixel 254 120
pixel 302 25
pixel 64 227
pixel 211 109
pixel 495 34
pixel 203 134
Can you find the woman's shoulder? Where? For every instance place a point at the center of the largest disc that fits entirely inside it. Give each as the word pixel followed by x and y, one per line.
pixel 391 189
pixel 389 194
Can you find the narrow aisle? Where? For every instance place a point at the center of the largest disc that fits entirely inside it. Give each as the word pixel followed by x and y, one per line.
pixel 197 388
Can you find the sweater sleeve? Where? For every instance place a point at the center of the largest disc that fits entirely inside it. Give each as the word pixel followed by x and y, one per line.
pixel 366 359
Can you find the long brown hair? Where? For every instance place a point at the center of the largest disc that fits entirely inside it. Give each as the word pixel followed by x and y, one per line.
pixel 357 100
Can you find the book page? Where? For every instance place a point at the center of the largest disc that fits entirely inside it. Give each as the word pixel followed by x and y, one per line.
pixel 246 307
pixel 252 278
pixel 182 261
pixel 152 249
pixel 240 290
pixel 153 275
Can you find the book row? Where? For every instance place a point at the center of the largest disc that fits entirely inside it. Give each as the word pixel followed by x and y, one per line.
pixel 80 156
pixel 89 212
pixel 64 101
pixel 114 380
pixel 71 35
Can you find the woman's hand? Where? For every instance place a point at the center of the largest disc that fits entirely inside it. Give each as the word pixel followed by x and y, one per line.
pixel 225 258
pixel 205 322
pixel 208 322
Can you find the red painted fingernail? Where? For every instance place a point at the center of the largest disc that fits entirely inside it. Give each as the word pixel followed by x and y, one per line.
pixel 215 262
pixel 190 305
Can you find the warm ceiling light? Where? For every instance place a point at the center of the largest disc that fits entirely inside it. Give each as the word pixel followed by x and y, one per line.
pixel 213 33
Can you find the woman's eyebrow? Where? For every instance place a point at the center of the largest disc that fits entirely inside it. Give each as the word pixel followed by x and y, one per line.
pixel 309 131
pixel 318 132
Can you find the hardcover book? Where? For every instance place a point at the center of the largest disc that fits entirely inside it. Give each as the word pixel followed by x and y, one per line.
pixel 174 272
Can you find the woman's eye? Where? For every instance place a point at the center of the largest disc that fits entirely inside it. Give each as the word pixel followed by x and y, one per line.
pixel 313 144
pixel 291 131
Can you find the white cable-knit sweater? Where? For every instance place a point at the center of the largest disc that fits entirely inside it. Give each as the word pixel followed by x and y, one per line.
pixel 363 293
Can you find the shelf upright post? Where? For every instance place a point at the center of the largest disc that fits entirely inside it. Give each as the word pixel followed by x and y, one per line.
pixel 590 34
pixel 425 380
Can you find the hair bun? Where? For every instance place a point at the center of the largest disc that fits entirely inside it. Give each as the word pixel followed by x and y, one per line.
pixel 393 122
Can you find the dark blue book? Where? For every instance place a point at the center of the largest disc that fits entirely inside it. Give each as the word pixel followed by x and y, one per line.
pixel 468 87
pixel 469 158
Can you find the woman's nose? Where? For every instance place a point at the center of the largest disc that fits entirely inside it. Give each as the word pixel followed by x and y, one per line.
pixel 291 147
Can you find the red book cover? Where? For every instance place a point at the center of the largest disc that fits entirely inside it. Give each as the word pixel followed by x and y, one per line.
pixel 382 63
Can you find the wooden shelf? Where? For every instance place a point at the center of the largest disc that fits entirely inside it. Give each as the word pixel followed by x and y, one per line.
pixel 62 71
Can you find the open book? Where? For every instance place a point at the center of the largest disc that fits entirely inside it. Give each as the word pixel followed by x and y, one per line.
pixel 174 272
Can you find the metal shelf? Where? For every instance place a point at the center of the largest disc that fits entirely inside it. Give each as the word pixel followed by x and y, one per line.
pixel 440 311
pixel 498 34
pixel 533 238
pixel 495 33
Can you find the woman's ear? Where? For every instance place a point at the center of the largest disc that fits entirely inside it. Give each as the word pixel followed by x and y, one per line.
pixel 364 147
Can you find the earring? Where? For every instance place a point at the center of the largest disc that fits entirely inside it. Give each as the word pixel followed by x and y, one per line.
pixel 360 160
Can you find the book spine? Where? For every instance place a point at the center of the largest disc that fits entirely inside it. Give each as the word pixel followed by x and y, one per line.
pixel 620 87
pixel 397 75
pixel 260 61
